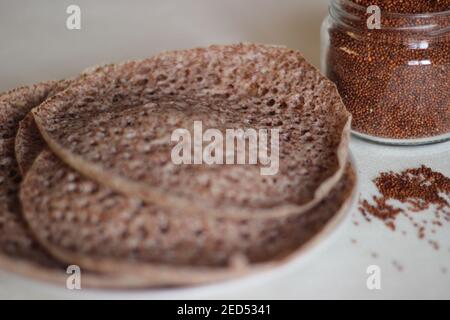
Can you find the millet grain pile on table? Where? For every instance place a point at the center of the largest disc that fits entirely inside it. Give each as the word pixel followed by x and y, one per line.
pixel 412 194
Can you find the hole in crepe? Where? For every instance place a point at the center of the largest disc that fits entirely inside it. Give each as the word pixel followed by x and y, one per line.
pixel 164 228
pixel 161 77
pixel 116 97
pixel 199 232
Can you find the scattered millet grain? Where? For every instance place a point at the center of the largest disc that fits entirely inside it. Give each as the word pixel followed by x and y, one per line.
pixel 434 244
pixel 395 83
pixel 397 265
pixel 418 190
pixel 380 210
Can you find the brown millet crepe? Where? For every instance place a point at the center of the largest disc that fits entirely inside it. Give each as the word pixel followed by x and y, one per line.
pixel 249 85
pixel 16 103
pixel 15 239
pixel 105 195
pixel 19 252
pixel 28 144
pixel 163 257
pixel 84 223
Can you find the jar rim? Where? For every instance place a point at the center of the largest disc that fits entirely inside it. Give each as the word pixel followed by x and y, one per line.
pixel 425 15
pixel 351 14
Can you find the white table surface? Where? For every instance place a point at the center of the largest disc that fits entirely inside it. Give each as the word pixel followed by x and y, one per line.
pixel 35 46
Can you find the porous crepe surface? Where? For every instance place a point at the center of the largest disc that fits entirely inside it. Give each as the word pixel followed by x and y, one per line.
pixel 28 140
pixel 254 85
pixel 16 103
pixel 134 143
pixel 28 144
pixel 85 223
pixel 164 275
pixel 15 240
pixel 19 252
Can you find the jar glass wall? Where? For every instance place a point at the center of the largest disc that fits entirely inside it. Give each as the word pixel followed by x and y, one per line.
pixel 394 80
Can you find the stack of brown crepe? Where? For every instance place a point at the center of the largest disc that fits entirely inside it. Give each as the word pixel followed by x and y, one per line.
pixel 87 179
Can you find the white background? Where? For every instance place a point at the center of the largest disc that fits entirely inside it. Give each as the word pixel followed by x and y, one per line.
pixel 36 46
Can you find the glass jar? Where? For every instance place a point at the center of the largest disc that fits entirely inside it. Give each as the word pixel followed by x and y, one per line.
pixel 394 79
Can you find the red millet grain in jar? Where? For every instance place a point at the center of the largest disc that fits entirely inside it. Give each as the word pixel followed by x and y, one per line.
pixel 418 190
pixel 407 6
pixel 395 84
